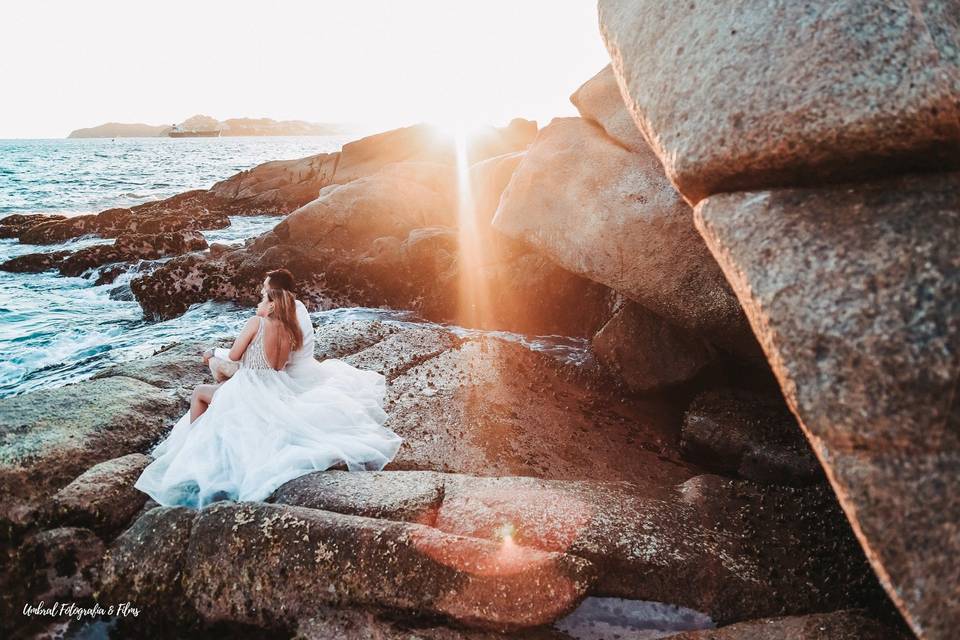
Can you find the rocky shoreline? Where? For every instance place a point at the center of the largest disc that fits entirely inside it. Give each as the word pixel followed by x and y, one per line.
pixel 766 431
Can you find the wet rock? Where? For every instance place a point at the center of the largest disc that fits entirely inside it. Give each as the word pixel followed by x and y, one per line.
pixel 495 407
pixel 731 100
pixel 133 246
pixel 854 293
pixel 646 352
pixel 839 625
pixel 13 225
pixel 102 498
pixel 750 434
pixel 34 262
pixel 610 215
pixel 278 563
pixel 279 186
pixel 145 565
pixel 599 100
pixel 189 211
pixel 49 437
pixel 410 496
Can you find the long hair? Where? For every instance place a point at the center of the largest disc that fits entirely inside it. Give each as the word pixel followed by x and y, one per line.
pixel 285 310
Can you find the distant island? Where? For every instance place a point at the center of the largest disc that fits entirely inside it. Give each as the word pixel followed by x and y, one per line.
pixel 201 125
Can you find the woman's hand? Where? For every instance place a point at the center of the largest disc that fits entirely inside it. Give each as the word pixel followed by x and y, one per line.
pixel 207 355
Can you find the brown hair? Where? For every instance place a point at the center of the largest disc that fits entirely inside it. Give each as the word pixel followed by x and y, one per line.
pixel 281 279
pixel 285 310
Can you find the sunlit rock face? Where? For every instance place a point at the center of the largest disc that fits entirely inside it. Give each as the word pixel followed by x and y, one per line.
pixel 599 100
pixel 742 95
pixel 426 143
pixel 610 215
pixel 280 186
pixel 854 293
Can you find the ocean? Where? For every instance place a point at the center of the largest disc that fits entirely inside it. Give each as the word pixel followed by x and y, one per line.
pixel 56 330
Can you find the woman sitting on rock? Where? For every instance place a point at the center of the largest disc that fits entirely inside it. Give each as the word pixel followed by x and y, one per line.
pixel 263 427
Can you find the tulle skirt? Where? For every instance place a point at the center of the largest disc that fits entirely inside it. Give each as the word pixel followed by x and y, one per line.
pixel 266 427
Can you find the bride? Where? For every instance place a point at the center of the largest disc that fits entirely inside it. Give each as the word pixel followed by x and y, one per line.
pixel 263 427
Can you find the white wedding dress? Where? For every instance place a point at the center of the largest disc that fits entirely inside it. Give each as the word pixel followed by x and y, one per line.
pixel 263 428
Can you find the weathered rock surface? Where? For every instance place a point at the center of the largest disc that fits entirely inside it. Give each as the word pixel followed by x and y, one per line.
pixel 279 186
pixel 493 407
pixel 145 565
pixel 280 562
pixel 600 100
pixel 192 210
pixel 133 246
pixel 178 368
pixel 13 225
pixel 610 215
pixel 102 498
pixel 34 262
pixel 60 564
pixel 854 293
pixel 730 549
pixel 750 434
pixel 839 625
pixel 731 100
pixel 410 496
pixel 646 353
pixel 48 438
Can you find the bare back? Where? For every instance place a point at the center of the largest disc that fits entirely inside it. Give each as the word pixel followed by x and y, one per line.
pixel 276 344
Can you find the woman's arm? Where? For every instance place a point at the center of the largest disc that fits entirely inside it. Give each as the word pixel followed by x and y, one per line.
pixel 243 340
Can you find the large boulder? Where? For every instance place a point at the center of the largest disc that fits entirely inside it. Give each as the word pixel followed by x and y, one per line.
pixel 279 186
pixel 271 565
pixel 599 99
pixel 34 262
pixel 610 215
pixel 145 565
pixel 647 353
pixel 854 293
pixel 101 498
pixel 49 437
pixel 738 95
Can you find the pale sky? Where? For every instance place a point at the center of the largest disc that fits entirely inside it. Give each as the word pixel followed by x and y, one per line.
pixel 71 64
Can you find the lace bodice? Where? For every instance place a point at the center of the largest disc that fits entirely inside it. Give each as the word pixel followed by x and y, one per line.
pixel 255 357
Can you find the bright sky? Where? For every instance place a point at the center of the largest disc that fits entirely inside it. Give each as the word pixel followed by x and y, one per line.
pixel 68 64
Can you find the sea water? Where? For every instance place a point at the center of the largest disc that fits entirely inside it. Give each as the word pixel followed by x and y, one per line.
pixel 55 330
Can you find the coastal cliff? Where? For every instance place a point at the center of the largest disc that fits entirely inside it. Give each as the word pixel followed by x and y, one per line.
pixel 763 426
